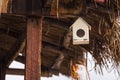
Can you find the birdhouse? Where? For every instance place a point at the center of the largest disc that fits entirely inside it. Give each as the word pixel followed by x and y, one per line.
pixel 80 29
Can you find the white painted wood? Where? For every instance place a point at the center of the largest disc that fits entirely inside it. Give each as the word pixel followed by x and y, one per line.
pixel 83 25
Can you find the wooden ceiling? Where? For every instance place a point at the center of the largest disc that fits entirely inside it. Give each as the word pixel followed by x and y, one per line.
pixel 13 39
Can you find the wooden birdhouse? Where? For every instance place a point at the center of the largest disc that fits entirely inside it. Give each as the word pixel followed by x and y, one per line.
pixel 80 30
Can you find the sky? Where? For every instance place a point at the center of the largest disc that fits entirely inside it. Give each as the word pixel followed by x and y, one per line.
pixel 112 75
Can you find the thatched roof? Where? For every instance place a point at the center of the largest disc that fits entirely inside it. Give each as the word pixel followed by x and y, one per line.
pixel 59 15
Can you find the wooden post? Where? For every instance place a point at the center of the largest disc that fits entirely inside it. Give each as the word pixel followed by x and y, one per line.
pixel 2 71
pixel 33 50
pixel 4 6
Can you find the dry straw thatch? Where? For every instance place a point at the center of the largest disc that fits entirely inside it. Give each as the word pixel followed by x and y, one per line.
pixel 105 33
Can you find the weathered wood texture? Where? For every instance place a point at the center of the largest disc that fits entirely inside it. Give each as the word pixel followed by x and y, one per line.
pixel 34 7
pixel 33 61
pixel 15 50
pixel 68 7
pixel 23 7
pixel 46 7
pixel 12 35
pixel 2 71
pixel 4 6
pixel 12 71
pixel 53 33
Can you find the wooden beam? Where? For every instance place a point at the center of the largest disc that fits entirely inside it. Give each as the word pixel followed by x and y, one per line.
pixel 33 61
pixel 4 6
pixel 34 7
pixel 13 71
pixel 22 7
pixel 45 73
pixel 2 71
pixel 64 8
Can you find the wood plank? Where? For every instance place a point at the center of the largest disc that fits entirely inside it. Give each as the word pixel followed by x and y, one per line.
pixel 33 61
pixel 63 8
pixel 13 71
pixel 34 7
pixel 9 33
pixel 15 50
pixel 23 7
pixel 20 59
pixel 6 42
pixel 2 71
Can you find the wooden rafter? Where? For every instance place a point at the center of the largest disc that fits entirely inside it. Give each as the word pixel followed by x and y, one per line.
pixel 13 71
pixel 15 50
pixel 58 62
